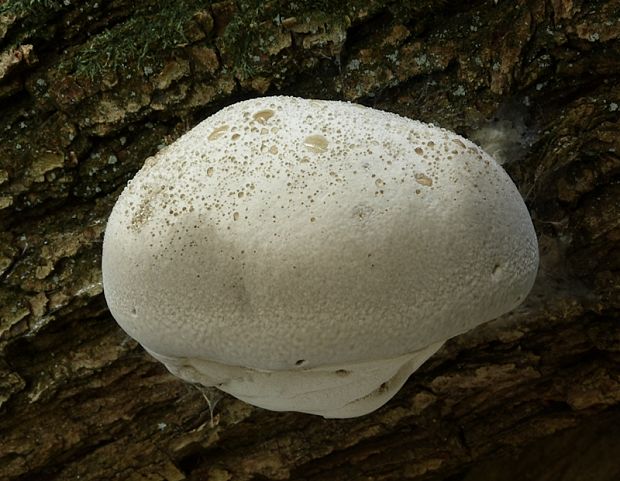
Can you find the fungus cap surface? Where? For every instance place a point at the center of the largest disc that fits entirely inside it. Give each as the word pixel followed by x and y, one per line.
pixel 285 234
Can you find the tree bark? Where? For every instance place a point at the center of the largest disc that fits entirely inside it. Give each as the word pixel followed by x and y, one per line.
pixel 89 90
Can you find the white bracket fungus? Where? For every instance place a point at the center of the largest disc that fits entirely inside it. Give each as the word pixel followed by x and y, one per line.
pixel 307 255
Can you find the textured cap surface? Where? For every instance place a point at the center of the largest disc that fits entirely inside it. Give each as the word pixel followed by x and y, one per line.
pixel 284 233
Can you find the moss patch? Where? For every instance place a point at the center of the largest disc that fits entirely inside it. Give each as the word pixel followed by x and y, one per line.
pixel 21 8
pixel 139 40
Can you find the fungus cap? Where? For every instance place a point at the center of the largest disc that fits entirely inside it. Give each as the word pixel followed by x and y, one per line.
pixel 309 255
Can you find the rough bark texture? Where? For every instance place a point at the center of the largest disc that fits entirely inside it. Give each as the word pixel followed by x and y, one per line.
pixel 88 90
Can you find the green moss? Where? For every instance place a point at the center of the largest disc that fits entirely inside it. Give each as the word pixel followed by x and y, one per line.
pixel 29 19
pixel 149 28
pixel 248 34
pixel 139 40
pixel 237 39
pixel 20 8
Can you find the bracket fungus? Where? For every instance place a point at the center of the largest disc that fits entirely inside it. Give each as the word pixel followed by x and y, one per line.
pixel 309 255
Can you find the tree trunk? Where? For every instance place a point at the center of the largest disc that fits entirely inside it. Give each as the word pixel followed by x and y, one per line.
pixel 89 90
